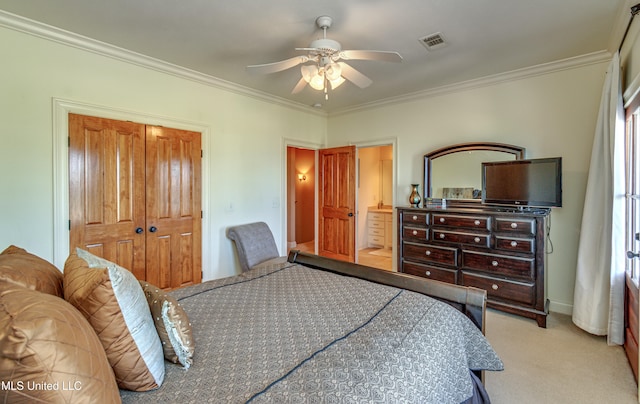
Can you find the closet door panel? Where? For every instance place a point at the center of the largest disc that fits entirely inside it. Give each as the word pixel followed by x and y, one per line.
pixel 107 189
pixel 174 217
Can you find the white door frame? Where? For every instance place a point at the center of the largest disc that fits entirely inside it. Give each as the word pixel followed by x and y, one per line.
pixel 286 142
pixel 61 110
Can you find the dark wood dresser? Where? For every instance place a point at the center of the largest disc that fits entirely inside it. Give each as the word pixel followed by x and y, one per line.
pixel 499 250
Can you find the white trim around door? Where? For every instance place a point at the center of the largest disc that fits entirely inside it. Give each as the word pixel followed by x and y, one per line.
pixel 61 110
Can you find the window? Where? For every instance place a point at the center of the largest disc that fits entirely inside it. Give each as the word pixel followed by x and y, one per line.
pixel 632 206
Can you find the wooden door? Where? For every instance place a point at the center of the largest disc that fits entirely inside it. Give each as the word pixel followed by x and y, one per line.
pixel 135 198
pixel 106 190
pixel 174 216
pixel 337 200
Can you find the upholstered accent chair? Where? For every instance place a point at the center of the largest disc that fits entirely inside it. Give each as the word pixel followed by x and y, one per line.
pixel 255 245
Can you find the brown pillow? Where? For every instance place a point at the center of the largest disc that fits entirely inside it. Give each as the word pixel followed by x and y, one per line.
pixel 172 324
pixel 22 268
pixel 49 352
pixel 111 298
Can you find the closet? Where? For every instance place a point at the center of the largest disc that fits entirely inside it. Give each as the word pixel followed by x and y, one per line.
pixel 135 197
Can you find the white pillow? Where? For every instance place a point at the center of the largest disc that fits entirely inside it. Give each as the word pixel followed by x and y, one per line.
pixel 93 301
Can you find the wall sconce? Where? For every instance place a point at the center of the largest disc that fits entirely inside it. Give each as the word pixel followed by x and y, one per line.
pixel 302 177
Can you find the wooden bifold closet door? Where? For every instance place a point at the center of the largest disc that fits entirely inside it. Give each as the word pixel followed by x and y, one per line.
pixel 135 197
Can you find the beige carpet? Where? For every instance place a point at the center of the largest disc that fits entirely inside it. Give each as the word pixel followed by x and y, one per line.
pixel 557 365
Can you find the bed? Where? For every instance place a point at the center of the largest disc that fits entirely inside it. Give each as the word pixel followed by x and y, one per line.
pixel 312 329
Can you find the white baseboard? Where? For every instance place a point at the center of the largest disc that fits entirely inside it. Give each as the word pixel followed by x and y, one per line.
pixel 562 308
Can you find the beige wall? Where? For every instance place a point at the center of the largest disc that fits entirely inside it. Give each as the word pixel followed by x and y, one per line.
pixel 245 156
pixel 551 114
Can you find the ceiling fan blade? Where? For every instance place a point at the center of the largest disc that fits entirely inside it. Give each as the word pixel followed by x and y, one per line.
pixel 354 76
pixel 385 56
pixel 277 66
pixel 299 87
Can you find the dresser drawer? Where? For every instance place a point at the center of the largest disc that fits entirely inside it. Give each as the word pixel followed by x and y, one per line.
pixel 506 243
pixel 430 253
pixel 516 225
pixel 376 231
pixel 415 233
pixel 426 271
pixel 481 240
pixel 501 265
pixel 375 240
pixel 467 222
pixel 414 218
pixel 376 224
pixel 377 216
pixel 521 292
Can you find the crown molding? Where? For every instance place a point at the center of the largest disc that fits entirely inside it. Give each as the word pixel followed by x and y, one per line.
pixel 532 71
pixel 44 31
pixel 50 33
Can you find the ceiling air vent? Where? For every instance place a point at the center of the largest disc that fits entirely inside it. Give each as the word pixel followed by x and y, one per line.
pixel 433 41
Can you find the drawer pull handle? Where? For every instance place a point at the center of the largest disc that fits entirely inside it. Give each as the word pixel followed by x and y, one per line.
pixel 442 220
pixel 477 223
pixel 415 217
pixel 428 273
pixel 442 235
pixel 514 225
pixel 415 232
pixel 477 239
pixel 494 263
pixel 514 244
pixel 427 252
pixel 494 287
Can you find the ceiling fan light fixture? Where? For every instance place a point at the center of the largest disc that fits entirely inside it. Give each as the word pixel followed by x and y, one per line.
pixel 308 72
pixel 332 71
pixel 335 83
pixel 317 81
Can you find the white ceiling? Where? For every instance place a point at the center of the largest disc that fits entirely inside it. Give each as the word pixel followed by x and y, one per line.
pixel 220 38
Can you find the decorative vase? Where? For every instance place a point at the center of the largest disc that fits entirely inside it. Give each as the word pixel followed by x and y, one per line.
pixel 414 198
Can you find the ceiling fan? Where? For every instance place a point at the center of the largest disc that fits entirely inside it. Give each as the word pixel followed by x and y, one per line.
pixel 326 68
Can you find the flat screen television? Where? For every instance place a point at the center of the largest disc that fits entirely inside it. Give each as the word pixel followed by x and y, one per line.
pixel 527 183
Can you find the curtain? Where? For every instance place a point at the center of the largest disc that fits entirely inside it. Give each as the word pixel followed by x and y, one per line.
pixel 598 305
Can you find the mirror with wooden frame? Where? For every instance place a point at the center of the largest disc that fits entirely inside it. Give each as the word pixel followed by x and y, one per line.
pixel 454 172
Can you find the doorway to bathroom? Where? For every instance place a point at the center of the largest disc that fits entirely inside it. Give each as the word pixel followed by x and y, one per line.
pixel 375 207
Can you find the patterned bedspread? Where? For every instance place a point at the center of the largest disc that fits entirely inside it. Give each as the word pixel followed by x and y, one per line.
pixel 288 333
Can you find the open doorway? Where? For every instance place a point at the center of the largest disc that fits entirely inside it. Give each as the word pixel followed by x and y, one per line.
pixel 375 207
pixel 374 203
pixel 301 184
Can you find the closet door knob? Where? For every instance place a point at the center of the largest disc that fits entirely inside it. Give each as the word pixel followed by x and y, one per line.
pixel 139 230
pixel 153 229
